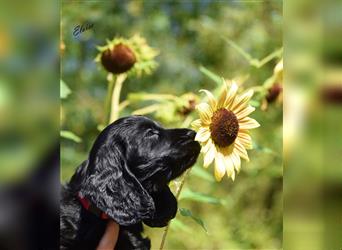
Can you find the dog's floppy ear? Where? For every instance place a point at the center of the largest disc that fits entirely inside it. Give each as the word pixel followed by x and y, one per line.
pixel 166 208
pixel 111 186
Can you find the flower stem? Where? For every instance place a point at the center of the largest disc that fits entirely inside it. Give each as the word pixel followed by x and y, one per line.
pixel 179 190
pixel 111 81
pixel 115 86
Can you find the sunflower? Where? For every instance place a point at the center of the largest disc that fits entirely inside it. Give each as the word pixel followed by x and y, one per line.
pixel 274 87
pixel 132 56
pixel 222 129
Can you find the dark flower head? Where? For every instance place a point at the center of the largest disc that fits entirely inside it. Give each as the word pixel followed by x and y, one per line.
pixel 131 56
pixel 274 92
pixel 118 60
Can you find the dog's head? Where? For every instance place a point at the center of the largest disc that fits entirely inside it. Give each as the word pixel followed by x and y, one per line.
pixel 130 165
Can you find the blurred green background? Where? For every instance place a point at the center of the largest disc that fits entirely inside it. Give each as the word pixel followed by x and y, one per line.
pixel 245 214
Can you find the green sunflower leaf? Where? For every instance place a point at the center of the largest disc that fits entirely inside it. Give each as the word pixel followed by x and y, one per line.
pixel 146 110
pixel 70 135
pixel 211 75
pixel 251 60
pixel 254 103
pixel 143 96
pixel 188 194
pixel 64 90
pixel 187 213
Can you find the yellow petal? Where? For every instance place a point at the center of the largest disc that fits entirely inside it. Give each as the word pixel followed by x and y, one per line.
pixel 206 146
pixel 211 98
pixel 230 167
pixel 233 176
pixel 223 96
pixel 196 124
pixel 205 113
pixel 236 161
pixel 244 112
pixel 202 135
pixel 248 123
pixel 245 140
pixel 241 101
pixel 244 133
pixel 241 150
pixel 209 156
pixel 279 67
pixel 231 94
pixel 220 168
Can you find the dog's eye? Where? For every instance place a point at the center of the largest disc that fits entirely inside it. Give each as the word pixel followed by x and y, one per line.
pixel 151 133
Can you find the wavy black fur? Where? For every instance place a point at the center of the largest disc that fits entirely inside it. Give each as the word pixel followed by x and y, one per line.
pixel 126 176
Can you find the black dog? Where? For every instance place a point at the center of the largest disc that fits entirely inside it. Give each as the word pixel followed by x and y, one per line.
pixel 126 179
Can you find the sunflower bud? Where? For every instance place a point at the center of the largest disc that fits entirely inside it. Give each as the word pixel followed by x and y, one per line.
pixel 332 94
pixel 186 110
pixel 274 92
pixel 119 59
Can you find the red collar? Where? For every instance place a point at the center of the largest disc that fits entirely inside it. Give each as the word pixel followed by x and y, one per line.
pixel 91 207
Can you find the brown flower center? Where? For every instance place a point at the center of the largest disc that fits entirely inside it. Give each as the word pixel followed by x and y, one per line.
pixel 274 92
pixel 118 60
pixel 224 127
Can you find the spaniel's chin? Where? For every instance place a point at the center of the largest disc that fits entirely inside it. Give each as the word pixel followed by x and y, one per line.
pixel 194 150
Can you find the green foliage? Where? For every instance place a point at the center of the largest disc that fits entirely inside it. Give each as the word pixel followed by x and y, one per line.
pixel 70 135
pixel 201 173
pixel 65 91
pixel 211 75
pixel 187 213
pixel 188 194
pixel 253 61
